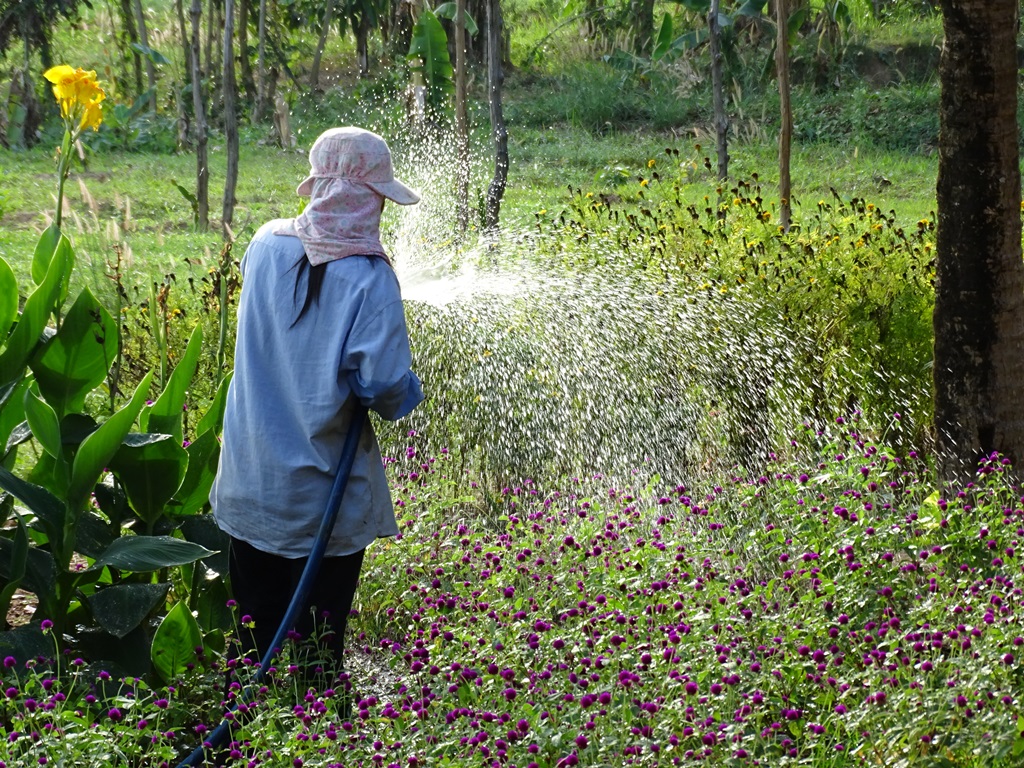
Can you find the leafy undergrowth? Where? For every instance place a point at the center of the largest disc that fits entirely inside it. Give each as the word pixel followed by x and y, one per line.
pixel 833 610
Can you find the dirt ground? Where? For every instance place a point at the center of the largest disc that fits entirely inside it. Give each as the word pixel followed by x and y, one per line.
pixel 23 606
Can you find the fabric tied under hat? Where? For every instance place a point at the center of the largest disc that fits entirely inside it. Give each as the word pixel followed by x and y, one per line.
pixel 342 219
pixel 350 173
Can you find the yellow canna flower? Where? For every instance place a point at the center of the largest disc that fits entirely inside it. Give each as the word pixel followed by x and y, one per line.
pixel 92 116
pixel 79 96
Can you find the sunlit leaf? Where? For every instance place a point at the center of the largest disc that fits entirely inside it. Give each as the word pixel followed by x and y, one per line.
pixel 175 642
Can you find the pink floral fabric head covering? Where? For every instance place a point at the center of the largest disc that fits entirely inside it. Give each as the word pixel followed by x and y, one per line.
pixel 350 175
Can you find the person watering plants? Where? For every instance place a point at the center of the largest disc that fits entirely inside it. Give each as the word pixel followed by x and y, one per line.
pixel 320 327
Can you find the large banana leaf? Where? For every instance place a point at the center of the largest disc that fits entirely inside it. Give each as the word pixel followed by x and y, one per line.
pixel 429 61
pixel 76 360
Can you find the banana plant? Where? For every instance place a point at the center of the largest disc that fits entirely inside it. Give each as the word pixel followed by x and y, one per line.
pixel 98 508
pixel 429 62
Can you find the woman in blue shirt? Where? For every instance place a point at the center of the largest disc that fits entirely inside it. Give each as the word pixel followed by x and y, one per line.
pixel 320 326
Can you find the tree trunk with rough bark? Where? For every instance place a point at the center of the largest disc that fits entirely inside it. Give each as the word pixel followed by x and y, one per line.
pixel 202 168
pixel 979 292
pixel 229 86
pixel 786 113
pixel 495 81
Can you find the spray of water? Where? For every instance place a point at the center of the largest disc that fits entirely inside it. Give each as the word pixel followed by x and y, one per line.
pixel 538 370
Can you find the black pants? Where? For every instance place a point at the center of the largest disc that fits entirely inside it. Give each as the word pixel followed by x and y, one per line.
pixel 263 585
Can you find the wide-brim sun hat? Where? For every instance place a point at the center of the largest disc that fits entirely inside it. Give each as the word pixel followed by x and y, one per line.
pixel 359 156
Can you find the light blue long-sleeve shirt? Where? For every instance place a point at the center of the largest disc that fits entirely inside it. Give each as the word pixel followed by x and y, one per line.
pixel 287 413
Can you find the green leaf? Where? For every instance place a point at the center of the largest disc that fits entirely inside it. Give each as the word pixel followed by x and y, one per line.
pixel 429 61
pixel 194 492
pixel 144 554
pixel 203 530
pixel 43 255
pixel 213 419
pixel 76 360
pixel 120 608
pixel 44 424
pixel 175 642
pixel 153 55
pixel 40 574
pixel 98 448
pixel 151 472
pixel 12 413
pixel 47 507
pixel 8 298
pixel 34 317
pixel 664 40
pixel 794 23
pixel 93 534
pixel 165 414
pixel 448 11
pixel 701 6
pixel 25 643
pixel 752 8
pixel 13 568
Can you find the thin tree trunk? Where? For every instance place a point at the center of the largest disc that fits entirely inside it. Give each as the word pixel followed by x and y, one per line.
pixel 211 23
pixel 184 123
pixel 230 88
pixel 363 46
pixel 128 20
pixel 202 169
pixel 979 293
pixel 786 114
pixel 248 83
pixel 461 122
pixel 179 8
pixel 718 90
pixel 140 18
pixel 495 80
pixel 325 28
pixel 259 114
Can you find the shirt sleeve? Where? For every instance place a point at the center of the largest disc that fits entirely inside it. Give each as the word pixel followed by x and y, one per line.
pixel 378 361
